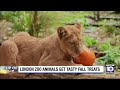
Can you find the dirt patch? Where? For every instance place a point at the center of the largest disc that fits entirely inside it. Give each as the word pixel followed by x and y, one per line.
pixel 115 75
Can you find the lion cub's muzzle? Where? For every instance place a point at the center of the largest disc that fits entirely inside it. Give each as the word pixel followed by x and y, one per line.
pixel 77 51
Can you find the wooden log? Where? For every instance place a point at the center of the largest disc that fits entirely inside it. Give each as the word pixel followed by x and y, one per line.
pixel 95 25
pixel 98 25
pixel 108 18
pixel 99 54
pixel 104 17
pixel 69 23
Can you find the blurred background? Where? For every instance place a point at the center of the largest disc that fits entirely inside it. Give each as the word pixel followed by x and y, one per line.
pixel 100 29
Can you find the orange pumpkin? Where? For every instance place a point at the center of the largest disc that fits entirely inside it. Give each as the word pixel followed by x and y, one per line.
pixel 86 57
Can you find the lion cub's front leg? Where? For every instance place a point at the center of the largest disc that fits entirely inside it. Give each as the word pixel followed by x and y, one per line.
pixel 53 60
pixel 45 58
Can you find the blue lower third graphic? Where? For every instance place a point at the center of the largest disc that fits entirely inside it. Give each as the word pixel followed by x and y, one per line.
pixel 110 68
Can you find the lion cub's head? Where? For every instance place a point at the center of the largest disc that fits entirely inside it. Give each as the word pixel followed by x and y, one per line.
pixel 69 38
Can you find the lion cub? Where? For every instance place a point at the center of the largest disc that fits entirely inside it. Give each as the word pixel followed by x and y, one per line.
pixel 54 50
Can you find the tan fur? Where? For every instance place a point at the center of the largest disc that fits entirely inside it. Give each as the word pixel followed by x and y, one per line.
pixel 54 50
pixel 8 53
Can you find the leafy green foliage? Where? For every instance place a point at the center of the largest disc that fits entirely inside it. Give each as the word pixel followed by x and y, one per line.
pixel 104 46
pixel 112 56
pixel 21 19
pixel 90 41
pixel 47 21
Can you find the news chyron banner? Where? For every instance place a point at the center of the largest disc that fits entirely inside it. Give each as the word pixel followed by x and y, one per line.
pixel 52 69
pixel 60 69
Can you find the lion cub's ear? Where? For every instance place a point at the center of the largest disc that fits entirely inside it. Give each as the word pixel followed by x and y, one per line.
pixel 61 32
pixel 78 26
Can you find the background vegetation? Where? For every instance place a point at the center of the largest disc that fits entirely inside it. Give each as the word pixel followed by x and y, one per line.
pixel 101 29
